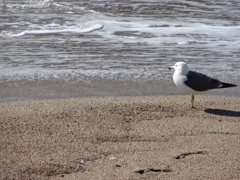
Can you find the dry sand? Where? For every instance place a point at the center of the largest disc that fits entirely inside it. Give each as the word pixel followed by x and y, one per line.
pixel 156 137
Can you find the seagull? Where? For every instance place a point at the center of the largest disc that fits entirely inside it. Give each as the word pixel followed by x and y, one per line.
pixel 193 82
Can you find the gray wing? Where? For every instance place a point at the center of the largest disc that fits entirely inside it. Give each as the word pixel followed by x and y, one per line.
pixel 201 82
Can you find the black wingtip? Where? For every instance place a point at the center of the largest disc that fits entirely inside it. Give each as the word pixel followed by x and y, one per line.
pixel 227 85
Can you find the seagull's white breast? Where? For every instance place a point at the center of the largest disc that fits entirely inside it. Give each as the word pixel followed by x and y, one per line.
pixel 179 80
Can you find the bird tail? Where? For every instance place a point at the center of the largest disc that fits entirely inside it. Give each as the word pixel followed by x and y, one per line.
pixel 227 85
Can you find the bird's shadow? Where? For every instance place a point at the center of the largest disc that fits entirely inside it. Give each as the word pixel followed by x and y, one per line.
pixel 223 112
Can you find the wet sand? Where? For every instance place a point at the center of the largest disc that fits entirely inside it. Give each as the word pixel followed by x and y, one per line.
pixel 38 89
pixel 153 137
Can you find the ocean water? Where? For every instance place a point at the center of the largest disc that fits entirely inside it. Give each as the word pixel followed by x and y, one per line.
pixel 125 40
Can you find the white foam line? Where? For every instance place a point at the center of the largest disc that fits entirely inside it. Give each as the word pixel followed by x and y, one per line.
pixel 85 29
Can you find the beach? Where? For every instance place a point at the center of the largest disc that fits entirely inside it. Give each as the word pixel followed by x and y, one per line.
pixel 86 92
pixel 131 137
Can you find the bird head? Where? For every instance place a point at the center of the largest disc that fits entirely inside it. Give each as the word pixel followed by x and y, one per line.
pixel 181 67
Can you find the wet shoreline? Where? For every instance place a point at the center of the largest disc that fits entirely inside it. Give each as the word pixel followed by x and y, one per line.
pixel 28 90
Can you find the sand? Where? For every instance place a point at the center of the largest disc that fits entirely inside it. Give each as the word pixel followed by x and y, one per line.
pixel 154 137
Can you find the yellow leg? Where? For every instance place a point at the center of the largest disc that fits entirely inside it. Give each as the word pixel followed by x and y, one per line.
pixel 192 100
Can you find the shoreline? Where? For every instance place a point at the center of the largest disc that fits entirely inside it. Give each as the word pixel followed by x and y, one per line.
pixel 25 90
pixel 149 137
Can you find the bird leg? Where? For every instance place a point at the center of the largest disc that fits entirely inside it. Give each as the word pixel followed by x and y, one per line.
pixel 192 100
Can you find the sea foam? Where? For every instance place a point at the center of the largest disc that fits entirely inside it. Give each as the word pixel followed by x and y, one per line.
pixel 83 29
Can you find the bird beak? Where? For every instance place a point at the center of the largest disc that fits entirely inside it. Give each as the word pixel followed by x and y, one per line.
pixel 171 67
